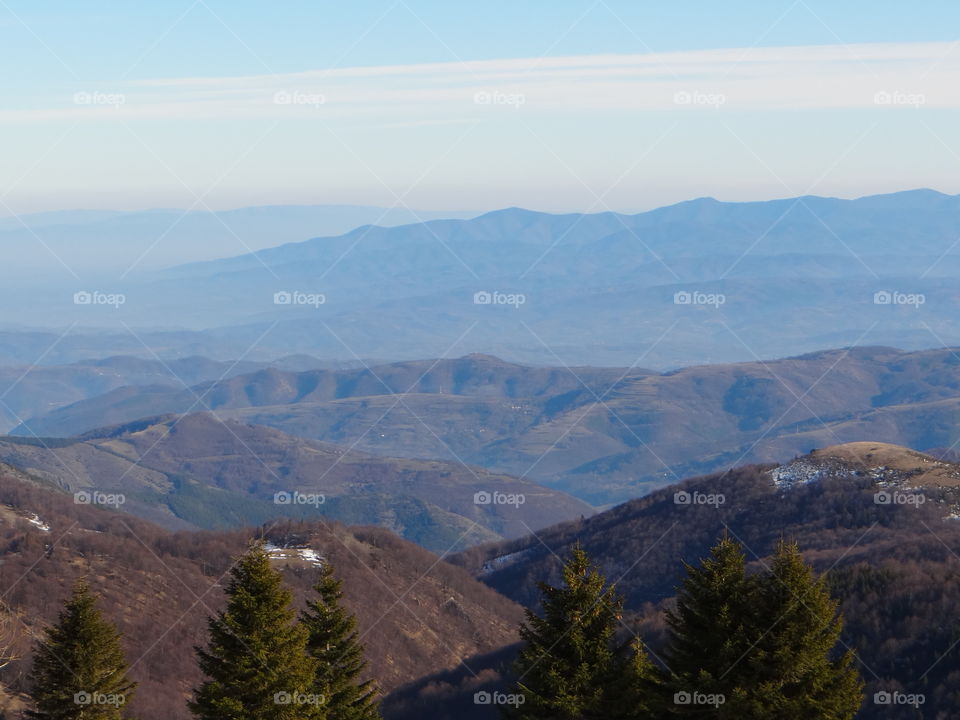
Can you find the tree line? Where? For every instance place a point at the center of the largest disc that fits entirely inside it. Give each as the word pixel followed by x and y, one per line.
pixel 740 645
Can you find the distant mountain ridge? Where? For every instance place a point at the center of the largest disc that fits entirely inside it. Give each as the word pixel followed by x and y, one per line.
pixel 105 242
pixel 697 282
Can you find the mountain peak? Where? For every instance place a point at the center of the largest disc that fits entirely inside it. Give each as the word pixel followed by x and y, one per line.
pixel 882 461
pixel 873 455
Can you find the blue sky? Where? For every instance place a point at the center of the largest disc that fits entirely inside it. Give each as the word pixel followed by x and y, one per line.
pixel 96 39
pixel 552 105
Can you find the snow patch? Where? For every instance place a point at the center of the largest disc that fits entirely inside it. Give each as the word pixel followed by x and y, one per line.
pixel 311 556
pixel 494 564
pixel 34 519
pixel 797 472
pixel 805 470
pixel 307 554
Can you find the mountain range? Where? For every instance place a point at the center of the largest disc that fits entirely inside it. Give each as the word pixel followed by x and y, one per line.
pixel 702 281
pixel 108 244
pixel 444 407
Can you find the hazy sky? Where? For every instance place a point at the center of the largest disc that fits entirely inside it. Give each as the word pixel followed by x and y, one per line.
pixel 555 105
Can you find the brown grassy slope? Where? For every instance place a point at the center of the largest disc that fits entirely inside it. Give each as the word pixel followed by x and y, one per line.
pixel 146 461
pixel 417 614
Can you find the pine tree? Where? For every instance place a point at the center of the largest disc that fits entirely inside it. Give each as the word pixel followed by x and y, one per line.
pixel 79 668
pixel 710 637
pixel 569 667
pixel 256 662
pixel 796 673
pixel 333 642
pixel 762 645
pixel 635 688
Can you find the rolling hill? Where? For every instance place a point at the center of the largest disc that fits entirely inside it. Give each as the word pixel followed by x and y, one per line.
pixel 758 503
pixel 602 434
pixel 199 471
pixel 36 389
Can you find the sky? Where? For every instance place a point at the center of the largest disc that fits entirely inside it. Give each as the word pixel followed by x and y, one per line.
pixel 560 106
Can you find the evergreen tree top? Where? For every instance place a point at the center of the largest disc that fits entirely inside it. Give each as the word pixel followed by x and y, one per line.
pixel 256 661
pixel 79 665
pixel 334 642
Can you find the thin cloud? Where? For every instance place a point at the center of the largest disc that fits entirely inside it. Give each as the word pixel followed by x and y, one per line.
pixel 904 75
